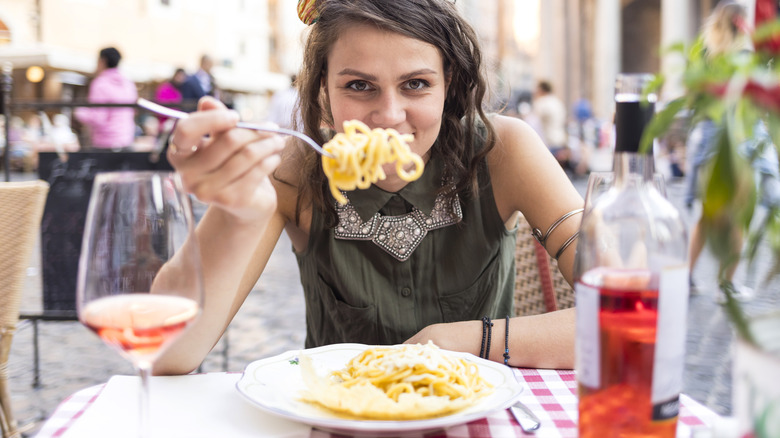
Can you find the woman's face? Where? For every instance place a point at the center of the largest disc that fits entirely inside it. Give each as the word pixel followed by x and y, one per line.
pixel 387 80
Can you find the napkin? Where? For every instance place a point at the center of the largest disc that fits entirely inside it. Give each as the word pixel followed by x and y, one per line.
pixel 200 405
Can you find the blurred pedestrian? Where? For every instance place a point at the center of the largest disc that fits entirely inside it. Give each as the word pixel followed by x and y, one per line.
pixel 283 107
pixel 551 112
pixel 59 135
pixel 110 128
pixel 201 83
pixel 169 92
pixel 721 34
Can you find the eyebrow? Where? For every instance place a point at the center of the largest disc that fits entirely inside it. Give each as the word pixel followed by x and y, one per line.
pixel 370 77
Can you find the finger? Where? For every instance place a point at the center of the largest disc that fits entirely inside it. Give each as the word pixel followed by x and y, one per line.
pixel 258 158
pixel 214 152
pixel 209 122
pixel 244 190
pixel 206 103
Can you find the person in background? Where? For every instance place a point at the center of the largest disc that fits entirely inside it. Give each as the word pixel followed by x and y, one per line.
pixel 551 112
pixel 169 92
pixel 442 255
pixel 721 34
pixel 201 83
pixel 110 128
pixel 58 133
pixel 282 109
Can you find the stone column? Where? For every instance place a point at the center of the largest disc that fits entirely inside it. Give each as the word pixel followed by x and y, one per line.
pixel 675 28
pixel 607 52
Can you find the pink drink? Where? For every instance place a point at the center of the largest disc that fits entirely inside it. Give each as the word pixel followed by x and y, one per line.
pixel 139 324
pixel 622 404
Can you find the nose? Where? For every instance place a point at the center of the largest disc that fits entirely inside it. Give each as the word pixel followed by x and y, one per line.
pixel 390 111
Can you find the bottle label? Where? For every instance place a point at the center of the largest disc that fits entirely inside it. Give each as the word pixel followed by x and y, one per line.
pixel 669 358
pixel 588 349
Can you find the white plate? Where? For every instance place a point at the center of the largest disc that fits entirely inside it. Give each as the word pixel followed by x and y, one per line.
pixel 273 385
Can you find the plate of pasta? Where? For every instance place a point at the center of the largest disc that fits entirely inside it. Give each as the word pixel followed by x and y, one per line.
pixel 379 390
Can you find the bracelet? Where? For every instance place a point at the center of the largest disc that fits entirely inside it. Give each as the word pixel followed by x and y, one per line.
pixel 487 332
pixel 484 334
pixel 542 238
pixel 506 343
pixel 566 245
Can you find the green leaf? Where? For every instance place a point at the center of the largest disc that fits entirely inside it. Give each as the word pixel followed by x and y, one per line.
pixel 728 201
pixel 660 124
pixel 654 86
pixel 771 230
pixel 735 312
pixel 720 178
pixel 773 126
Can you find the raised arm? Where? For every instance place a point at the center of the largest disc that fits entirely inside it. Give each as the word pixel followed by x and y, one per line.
pixel 229 169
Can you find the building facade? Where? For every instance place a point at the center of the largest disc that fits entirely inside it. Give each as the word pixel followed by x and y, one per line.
pixel 63 37
pixel 581 45
pixel 577 45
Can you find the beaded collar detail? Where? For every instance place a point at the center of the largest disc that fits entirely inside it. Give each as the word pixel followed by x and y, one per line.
pixel 398 235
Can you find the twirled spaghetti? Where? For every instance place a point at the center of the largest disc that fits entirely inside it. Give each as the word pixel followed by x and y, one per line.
pixel 359 154
pixel 397 383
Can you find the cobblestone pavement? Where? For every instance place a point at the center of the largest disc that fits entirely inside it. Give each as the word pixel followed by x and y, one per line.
pixel 272 321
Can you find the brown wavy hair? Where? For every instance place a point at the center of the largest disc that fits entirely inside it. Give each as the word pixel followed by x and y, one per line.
pixel 436 22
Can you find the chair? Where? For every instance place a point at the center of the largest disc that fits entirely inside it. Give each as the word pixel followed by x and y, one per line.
pixel 539 285
pixel 21 207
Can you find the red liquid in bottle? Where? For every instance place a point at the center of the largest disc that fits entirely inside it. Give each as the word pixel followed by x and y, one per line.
pixel 621 406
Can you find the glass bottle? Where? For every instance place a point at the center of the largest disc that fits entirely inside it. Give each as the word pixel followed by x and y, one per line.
pixel 631 272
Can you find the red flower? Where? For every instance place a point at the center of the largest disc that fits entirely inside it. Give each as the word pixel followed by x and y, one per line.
pixel 716 89
pixel 767 98
pixel 766 10
pixel 767 39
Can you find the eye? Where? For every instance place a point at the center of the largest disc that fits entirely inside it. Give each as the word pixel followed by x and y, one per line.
pixel 358 86
pixel 417 84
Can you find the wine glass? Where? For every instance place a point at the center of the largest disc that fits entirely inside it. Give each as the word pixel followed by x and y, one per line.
pixel 139 280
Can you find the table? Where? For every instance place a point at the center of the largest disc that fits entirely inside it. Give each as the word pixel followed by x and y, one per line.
pixel 551 395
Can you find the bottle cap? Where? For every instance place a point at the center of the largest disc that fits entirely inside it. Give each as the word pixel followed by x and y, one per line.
pixel 633 110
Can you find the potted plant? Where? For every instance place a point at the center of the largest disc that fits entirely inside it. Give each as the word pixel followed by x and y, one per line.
pixel 739 92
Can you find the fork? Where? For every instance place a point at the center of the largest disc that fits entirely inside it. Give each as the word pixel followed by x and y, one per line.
pixel 176 114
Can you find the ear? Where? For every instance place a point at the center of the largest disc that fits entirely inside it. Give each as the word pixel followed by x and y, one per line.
pixel 447 83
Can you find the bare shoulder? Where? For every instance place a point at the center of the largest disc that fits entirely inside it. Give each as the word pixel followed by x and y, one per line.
pixel 519 153
pixel 516 136
pixel 525 175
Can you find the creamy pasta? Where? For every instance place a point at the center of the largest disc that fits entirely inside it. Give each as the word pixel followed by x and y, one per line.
pixel 397 383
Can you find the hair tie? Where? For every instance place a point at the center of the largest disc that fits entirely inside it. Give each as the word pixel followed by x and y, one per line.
pixel 307 12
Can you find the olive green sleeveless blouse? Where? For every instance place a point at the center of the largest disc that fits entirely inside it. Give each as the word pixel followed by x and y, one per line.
pixel 356 291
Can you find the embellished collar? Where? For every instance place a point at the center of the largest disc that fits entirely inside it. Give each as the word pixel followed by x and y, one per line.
pixel 419 193
pixel 398 235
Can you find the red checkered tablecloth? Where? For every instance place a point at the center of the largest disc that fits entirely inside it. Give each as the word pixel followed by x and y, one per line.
pixel 550 394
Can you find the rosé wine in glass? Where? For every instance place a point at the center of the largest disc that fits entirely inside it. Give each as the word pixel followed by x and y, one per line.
pixel 140 279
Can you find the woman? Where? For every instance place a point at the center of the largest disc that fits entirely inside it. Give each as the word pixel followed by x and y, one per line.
pixel 415 66
pixel 723 33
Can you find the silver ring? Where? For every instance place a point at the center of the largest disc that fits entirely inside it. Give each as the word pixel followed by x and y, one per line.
pixel 175 149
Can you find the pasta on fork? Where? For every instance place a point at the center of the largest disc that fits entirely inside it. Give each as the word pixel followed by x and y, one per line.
pixel 359 154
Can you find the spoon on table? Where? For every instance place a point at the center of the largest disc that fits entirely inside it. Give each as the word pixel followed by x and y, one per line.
pixel 176 114
pixel 527 420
